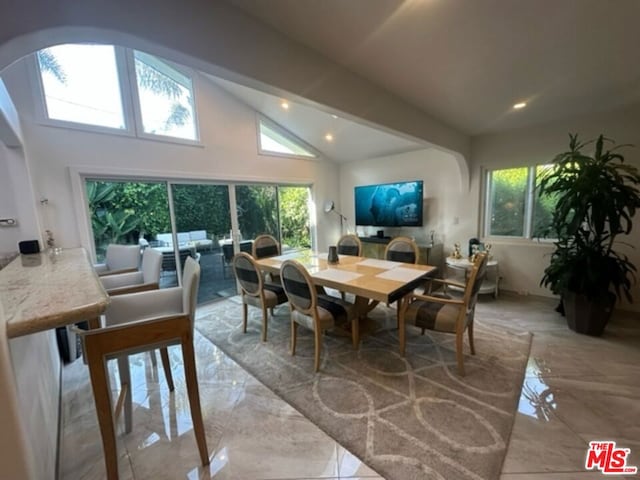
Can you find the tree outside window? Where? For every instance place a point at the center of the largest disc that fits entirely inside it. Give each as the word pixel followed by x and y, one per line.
pixel 513 208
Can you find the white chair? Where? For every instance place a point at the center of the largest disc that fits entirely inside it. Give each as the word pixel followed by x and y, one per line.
pixel 119 259
pixel 147 278
pixel 135 323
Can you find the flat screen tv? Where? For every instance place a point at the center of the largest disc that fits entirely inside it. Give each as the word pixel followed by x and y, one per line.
pixel 389 204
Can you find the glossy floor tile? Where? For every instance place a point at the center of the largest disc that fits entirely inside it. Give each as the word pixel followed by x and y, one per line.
pixel 576 389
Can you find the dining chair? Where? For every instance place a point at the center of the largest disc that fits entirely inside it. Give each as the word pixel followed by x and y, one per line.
pixel 255 291
pixel 265 246
pixel 119 259
pixel 443 313
pixel 317 312
pixel 350 244
pixel 136 323
pixel 147 278
pixel 402 249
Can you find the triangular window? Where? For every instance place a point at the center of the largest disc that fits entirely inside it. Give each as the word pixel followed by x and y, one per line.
pixel 276 140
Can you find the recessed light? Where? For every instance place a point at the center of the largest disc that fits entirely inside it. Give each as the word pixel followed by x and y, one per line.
pixel 334 116
pixel 328 137
pixel 285 105
pixel 520 105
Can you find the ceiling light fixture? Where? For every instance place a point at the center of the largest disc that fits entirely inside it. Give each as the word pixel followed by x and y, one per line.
pixel 334 116
pixel 328 137
pixel 285 105
pixel 520 105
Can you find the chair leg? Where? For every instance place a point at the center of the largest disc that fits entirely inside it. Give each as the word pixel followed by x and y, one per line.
pixel 188 357
pixel 294 336
pixel 264 323
pixel 102 398
pixel 470 333
pixel 244 317
pixel 125 382
pixel 318 341
pixel 166 365
pixel 459 353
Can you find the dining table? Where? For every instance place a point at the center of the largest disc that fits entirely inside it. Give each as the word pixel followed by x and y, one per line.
pixel 370 280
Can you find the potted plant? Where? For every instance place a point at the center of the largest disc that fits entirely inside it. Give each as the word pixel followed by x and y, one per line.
pixel 596 199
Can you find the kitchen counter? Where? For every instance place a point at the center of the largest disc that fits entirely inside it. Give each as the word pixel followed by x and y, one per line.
pixel 38 293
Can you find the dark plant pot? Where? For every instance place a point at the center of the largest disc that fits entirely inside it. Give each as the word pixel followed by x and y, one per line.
pixel 587 316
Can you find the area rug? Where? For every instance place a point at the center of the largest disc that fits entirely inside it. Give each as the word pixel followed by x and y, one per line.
pixel 406 418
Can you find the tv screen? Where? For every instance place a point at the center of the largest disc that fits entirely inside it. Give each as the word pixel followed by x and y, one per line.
pixel 389 204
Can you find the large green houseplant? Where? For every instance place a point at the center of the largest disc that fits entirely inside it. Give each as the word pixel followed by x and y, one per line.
pixel 596 197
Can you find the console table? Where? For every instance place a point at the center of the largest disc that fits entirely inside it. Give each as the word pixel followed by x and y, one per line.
pixel 373 247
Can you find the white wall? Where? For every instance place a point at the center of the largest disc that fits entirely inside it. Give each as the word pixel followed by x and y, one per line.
pixel 228 152
pixel 445 198
pixel 16 200
pixel 522 263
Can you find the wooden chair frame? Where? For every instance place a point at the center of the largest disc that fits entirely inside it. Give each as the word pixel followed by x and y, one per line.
pixel 464 318
pixel 121 340
pixel 353 237
pixel 406 240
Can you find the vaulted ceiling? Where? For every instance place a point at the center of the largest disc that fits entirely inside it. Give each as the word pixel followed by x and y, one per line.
pixel 467 62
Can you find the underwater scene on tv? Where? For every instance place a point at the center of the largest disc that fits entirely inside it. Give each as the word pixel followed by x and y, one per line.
pixel 389 204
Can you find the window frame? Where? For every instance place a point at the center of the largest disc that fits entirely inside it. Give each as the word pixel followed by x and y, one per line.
pixel 284 132
pixel 42 112
pixel 135 98
pixel 131 109
pixel 530 199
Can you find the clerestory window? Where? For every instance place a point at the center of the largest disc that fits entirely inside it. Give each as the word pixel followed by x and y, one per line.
pixel 91 85
pixel 275 139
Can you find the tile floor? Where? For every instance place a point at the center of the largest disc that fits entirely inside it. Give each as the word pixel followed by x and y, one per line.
pixel 576 389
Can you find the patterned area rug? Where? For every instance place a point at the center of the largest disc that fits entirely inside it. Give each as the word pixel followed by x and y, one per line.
pixel 407 418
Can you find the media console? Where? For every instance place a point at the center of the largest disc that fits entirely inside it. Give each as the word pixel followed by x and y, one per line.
pixel 373 247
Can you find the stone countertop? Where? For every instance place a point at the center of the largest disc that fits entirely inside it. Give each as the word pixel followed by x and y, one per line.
pixel 43 291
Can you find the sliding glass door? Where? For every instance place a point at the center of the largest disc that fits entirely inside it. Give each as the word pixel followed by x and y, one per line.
pixel 207 222
pixel 126 212
pixel 203 221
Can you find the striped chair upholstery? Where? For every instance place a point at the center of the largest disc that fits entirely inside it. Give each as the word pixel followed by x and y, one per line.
pixel 350 245
pixel 265 246
pixel 317 312
pixel 446 314
pixel 402 249
pixel 255 291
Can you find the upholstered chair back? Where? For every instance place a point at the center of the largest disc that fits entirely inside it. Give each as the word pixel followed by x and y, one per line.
pixel 402 249
pixel 265 246
pixel 350 245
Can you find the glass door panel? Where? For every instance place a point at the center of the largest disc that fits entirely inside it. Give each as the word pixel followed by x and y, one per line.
pixel 126 212
pixel 203 223
pixel 294 216
pixel 257 209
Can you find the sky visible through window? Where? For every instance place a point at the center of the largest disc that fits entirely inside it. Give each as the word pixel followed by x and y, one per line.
pixel 272 140
pixel 81 85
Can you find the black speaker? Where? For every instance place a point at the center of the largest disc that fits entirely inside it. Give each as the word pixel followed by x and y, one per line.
pixel 29 246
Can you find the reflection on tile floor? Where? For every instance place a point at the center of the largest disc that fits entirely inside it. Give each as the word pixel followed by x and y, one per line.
pixel 576 389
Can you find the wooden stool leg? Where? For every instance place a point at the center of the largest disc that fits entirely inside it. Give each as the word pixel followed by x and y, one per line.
pixel 125 383
pixel 102 398
pixel 166 365
pixel 188 356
